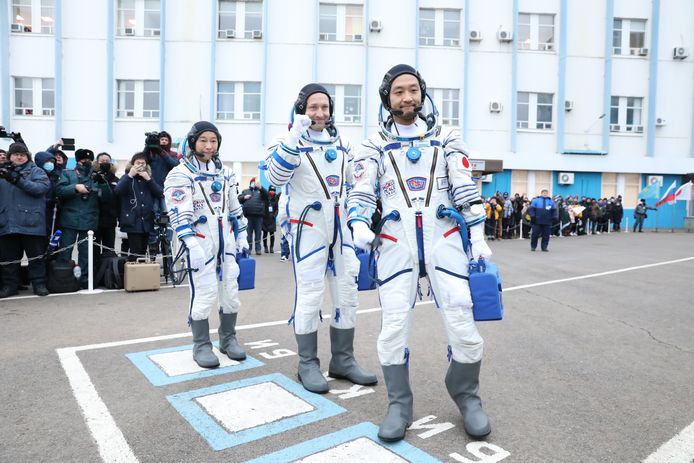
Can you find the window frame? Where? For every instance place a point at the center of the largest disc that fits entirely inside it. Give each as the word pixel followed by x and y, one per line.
pixel 36 107
pixel 623 35
pixel 622 111
pixel 138 110
pixel 240 110
pixel 533 27
pixel 439 39
pixel 32 13
pixel 237 9
pixel 443 99
pixel 339 96
pixel 534 108
pixel 136 19
pixel 343 18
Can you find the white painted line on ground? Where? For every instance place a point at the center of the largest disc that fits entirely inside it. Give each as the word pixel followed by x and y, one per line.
pixel 679 449
pixel 114 448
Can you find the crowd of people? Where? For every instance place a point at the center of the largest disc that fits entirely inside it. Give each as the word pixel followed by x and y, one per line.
pixel 509 216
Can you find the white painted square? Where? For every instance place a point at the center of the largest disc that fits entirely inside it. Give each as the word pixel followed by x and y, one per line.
pixel 362 450
pixel 251 406
pixel 181 362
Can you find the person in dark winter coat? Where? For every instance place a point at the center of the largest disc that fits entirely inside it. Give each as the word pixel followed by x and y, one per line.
pixel 542 210
pixel 254 202
pixel 47 162
pixel 270 219
pixel 138 192
pixel 23 187
pixel 80 193
pixel 108 208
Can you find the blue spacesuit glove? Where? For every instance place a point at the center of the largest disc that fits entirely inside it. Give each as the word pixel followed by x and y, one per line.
pixel 479 245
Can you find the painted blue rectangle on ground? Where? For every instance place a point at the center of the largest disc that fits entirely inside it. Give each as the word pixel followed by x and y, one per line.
pixel 366 430
pixel 158 377
pixel 189 405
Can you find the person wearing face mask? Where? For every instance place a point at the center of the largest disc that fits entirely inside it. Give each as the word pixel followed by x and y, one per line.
pixel 80 193
pixel 270 220
pixel 46 161
pixel 105 235
pixel 23 186
pixel 254 202
pixel 312 163
pixel 417 169
pixel 201 195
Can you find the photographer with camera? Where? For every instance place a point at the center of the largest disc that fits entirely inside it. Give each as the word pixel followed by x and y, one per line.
pixel 160 162
pixel 80 192
pixel 22 219
pixel 108 208
pixel 137 192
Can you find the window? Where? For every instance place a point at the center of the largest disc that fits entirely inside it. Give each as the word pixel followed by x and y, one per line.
pixel 534 111
pixel 439 27
pixel 32 16
pixel 347 102
pixel 536 31
pixel 225 100
pixel 448 101
pixel 242 95
pixel 24 102
pixel 138 18
pixel 343 23
pixel 137 98
pixel 631 32
pixel 625 114
pixel 239 19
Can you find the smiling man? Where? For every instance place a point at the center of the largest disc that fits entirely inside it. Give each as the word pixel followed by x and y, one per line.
pixel 414 167
pixel 312 163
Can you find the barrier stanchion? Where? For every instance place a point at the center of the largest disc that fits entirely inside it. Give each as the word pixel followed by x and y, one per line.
pixel 626 229
pixel 520 235
pixel 608 226
pixel 90 271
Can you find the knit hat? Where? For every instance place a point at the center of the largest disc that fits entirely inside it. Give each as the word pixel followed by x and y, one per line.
pixel 84 153
pixel 18 147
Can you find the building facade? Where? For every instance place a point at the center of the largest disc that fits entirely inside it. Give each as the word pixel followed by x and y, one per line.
pixel 593 98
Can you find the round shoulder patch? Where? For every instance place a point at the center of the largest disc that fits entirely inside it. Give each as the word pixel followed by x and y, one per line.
pixel 466 162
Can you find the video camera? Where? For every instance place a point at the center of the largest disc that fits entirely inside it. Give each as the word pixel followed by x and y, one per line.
pixel 15 136
pixel 9 172
pixel 152 139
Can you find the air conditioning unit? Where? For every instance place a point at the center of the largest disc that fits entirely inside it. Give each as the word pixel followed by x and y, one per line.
pixel 257 34
pixel 643 52
pixel 504 35
pixel 615 128
pixel 230 34
pixel 655 180
pixel 566 178
pixel 546 46
pixel 475 35
pixel 358 37
pixel 487 178
pixel 156 32
pixel 375 25
pixel 638 129
pixel 129 31
pixel 568 105
pixel 495 107
pixel 660 122
pixel 16 28
pixel 677 52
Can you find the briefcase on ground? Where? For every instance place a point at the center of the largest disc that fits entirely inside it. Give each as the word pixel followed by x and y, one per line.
pixel 246 271
pixel 141 276
pixel 485 289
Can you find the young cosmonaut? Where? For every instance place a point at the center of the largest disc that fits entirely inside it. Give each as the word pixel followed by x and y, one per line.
pixel 415 167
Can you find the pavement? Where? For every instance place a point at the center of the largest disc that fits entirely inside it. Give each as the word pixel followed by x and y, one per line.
pixel 593 362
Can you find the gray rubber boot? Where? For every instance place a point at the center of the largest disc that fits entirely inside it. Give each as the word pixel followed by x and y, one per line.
pixel 399 416
pixel 463 384
pixel 227 337
pixel 343 364
pixel 202 347
pixel 309 365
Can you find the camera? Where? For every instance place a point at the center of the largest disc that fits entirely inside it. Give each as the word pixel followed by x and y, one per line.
pixel 15 136
pixel 6 169
pixel 152 139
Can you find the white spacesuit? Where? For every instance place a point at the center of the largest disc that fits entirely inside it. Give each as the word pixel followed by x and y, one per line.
pixel 202 199
pixel 415 167
pixel 313 167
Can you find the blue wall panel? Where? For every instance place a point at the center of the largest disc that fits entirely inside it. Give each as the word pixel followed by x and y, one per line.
pixel 587 184
pixel 663 218
pixel 501 182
